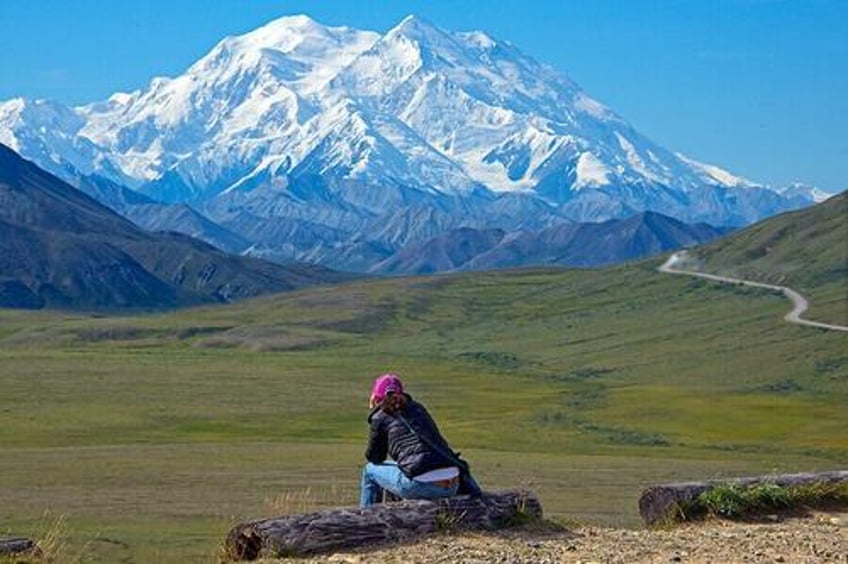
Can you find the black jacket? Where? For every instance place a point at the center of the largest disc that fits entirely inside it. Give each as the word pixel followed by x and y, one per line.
pixel 390 436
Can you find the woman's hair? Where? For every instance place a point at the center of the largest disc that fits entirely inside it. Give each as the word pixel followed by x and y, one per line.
pixel 393 403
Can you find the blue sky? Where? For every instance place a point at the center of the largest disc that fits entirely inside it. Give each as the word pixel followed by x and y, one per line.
pixel 759 87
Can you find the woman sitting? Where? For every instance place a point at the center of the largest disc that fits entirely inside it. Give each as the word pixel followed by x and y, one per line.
pixel 423 466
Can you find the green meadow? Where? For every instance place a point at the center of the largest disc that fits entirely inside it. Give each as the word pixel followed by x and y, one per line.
pixel 804 249
pixel 147 437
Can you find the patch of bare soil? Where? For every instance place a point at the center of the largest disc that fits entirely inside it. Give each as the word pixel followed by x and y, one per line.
pixel 821 537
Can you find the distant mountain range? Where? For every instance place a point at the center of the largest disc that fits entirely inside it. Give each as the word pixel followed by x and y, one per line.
pixel 61 248
pixel 582 245
pixel 357 150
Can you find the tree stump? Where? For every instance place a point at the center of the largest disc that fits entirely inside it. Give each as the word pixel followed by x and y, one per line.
pixel 661 503
pixel 18 546
pixel 331 530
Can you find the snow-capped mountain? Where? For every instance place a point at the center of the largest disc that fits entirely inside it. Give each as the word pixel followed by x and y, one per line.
pixel 381 138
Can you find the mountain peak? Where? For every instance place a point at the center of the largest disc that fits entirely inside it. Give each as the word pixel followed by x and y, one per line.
pixel 416 28
pixel 282 34
pixel 297 35
pixel 295 20
pixel 413 22
pixel 431 109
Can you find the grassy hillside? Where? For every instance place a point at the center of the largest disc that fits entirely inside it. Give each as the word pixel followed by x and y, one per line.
pixel 153 434
pixel 806 249
pixel 59 248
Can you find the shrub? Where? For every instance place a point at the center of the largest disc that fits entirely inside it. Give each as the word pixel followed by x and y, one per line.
pixel 735 501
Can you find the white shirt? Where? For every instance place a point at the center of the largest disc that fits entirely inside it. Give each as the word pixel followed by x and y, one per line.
pixel 438 474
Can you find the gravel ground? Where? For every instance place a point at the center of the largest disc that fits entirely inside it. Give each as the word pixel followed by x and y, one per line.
pixel 816 538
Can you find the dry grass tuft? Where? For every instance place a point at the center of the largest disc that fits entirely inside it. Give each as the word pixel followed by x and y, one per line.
pixel 307 500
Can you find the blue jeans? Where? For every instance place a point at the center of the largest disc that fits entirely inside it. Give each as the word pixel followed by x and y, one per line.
pixel 387 476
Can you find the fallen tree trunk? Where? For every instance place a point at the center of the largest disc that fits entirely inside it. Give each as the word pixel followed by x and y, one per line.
pixel 17 546
pixel 663 503
pixel 331 530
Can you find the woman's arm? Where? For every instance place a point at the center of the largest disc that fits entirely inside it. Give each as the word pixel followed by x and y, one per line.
pixel 378 442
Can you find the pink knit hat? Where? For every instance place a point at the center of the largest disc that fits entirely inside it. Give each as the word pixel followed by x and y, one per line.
pixel 385 384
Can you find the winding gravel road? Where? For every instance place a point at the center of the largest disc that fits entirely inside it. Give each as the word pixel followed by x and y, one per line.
pixel 798 301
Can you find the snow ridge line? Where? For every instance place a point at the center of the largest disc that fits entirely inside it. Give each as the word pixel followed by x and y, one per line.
pixel 799 302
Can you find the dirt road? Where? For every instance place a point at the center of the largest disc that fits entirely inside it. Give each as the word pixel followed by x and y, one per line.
pixel 799 303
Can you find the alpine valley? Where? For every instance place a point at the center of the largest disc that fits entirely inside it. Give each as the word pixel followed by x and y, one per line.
pixel 419 150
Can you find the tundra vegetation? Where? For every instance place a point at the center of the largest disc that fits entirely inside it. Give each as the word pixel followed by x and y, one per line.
pixel 736 502
pixel 150 435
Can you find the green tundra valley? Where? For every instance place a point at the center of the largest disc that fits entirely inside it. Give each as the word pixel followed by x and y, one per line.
pixel 148 436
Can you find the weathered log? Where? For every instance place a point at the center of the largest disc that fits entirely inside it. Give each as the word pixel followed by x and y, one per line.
pixel 331 530
pixel 18 546
pixel 662 503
